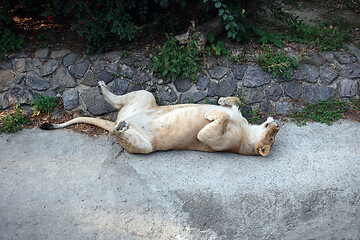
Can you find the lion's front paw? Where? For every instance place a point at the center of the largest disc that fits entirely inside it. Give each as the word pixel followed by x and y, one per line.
pixel 211 116
pixel 229 101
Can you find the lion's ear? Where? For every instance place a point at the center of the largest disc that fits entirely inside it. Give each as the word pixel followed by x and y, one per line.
pixel 264 150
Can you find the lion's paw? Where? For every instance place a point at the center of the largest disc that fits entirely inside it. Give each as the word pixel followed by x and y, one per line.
pixel 101 84
pixel 222 101
pixel 211 116
pixel 229 101
pixel 122 126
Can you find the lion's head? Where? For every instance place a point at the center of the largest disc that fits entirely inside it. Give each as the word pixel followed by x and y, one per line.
pixel 270 129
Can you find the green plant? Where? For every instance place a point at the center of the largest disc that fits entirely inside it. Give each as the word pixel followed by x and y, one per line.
pixel 267 37
pixel 175 60
pixel 207 100
pixel 254 116
pixel 326 111
pixel 277 62
pixel 14 121
pixel 103 24
pixel 218 49
pixel 9 40
pixel 325 35
pixel 233 15
pixel 45 39
pixel 239 59
pixel 43 104
pixel 355 103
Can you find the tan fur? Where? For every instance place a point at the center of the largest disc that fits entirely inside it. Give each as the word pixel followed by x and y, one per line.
pixel 144 127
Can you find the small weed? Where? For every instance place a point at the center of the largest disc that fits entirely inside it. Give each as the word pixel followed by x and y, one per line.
pixel 217 49
pixel 327 112
pixel 254 116
pixel 240 96
pixel 239 59
pixel 277 63
pixel 126 53
pixel 355 103
pixel 324 35
pixel 43 104
pixel 207 100
pixel 45 39
pixel 267 37
pixel 176 60
pixel 14 121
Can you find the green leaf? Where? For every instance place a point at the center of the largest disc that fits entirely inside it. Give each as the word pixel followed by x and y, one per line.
pixel 218 4
pixel 242 28
pixel 211 37
pixel 221 12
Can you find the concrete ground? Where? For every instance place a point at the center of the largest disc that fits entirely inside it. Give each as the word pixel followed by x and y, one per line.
pixel 65 185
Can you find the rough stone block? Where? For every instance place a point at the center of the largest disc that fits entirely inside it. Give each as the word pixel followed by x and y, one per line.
pixel 328 74
pixel 192 97
pixel 238 71
pixel 71 100
pixel 218 72
pixel 273 92
pixel 49 67
pixel 351 71
pixel 347 88
pixel 202 82
pixel 6 79
pixel 62 79
pixel 294 89
pixel 255 76
pixel 313 93
pixel 224 88
pixel 79 69
pixel 183 84
pixel 36 82
pixel 308 73
pixel 95 102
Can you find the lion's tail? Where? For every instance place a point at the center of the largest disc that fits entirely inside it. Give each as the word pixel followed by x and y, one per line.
pixel 105 124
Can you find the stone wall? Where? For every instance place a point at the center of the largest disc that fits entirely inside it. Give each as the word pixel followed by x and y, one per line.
pixel 74 78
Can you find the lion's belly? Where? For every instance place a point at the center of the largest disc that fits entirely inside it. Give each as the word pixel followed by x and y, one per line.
pixel 173 127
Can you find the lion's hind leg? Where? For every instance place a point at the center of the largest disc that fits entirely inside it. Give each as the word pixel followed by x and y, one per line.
pixel 213 134
pixel 131 139
pixel 139 99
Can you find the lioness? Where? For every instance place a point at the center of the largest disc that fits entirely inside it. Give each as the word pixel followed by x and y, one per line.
pixel 144 127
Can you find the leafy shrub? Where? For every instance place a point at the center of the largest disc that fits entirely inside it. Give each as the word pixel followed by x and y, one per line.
pixel 9 40
pixel 277 63
pixel 43 104
pixel 103 24
pixel 267 37
pixel 176 60
pixel 325 35
pixel 233 15
pixel 14 121
pixel 327 112
pixel 218 49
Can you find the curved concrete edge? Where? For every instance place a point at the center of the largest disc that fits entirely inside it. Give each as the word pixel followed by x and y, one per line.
pixel 65 185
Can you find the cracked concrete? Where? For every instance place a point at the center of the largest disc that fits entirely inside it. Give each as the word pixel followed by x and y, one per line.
pixel 65 185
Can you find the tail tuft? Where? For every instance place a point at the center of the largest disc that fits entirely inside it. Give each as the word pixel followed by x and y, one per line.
pixel 47 126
